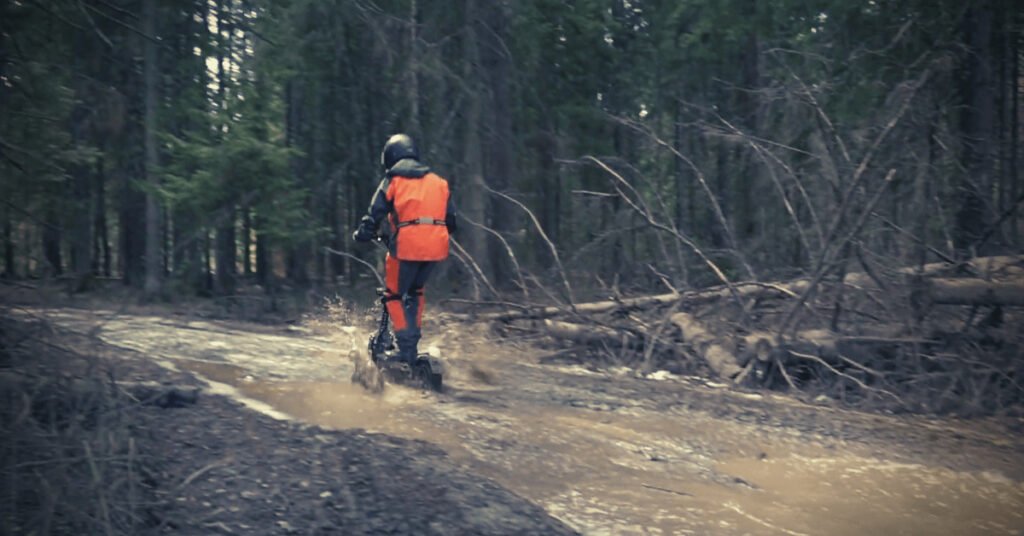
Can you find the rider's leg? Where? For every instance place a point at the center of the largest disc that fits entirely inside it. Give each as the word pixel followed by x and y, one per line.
pixel 393 298
pixel 412 276
pixel 408 339
pixel 418 288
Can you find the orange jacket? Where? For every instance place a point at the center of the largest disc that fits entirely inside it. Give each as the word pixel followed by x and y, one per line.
pixel 419 208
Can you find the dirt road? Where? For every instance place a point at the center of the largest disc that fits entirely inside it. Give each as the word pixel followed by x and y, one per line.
pixel 608 452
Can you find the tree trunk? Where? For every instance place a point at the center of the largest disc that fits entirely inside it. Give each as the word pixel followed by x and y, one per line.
pixel 81 203
pixel 335 241
pixel 246 241
pixel 297 270
pixel 721 193
pixel 9 251
pixel 1015 37
pixel 187 245
pixel 225 255
pixel 746 176
pixel 154 253
pixel 208 284
pixel 678 168
pixel 224 238
pixel 27 265
pixel 51 242
pixel 977 127
pixel 82 234
pixel 101 250
pixel 133 239
pixel 263 269
pixel 499 138
pixel 472 190
pixel 412 72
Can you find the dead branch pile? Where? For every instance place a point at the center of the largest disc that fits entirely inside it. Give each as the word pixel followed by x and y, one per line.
pixel 939 337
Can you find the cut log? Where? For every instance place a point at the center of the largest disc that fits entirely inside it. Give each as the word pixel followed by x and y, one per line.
pixel 692 298
pixel 765 346
pixel 759 345
pixel 721 360
pixel 589 334
pixel 583 309
pixel 973 291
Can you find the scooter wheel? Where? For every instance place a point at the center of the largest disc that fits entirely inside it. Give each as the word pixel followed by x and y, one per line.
pixel 427 378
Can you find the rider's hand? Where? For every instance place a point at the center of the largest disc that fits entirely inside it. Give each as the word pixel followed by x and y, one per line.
pixel 362 235
pixel 364 232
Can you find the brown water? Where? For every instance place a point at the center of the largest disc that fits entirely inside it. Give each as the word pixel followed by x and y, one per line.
pixel 613 454
pixel 625 472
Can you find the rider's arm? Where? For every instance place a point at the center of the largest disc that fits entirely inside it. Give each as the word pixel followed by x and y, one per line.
pixel 450 220
pixel 380 205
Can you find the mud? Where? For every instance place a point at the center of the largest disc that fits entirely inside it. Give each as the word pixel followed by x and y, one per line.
pixel 608 452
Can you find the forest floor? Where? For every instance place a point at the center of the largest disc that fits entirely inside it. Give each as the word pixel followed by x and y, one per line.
pixel 280 441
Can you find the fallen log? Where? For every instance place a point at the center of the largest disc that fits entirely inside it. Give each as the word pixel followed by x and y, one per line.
pixel 721 360
pixel 586 334
pixel 590 334
pixel 1010 264
pixel 826 345
pixel 692 298
pixel 973 291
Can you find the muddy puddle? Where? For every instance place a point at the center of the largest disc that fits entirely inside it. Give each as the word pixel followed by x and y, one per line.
pixel 614 454
pixel 634 472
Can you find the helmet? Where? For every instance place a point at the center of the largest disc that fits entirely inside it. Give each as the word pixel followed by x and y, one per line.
pixel 398 147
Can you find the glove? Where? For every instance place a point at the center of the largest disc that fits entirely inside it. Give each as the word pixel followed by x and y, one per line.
pixel 364 233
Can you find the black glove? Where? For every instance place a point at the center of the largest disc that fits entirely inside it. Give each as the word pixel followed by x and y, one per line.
pixel 364 233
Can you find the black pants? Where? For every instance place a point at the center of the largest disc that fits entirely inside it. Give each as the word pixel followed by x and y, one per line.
pixel 405 281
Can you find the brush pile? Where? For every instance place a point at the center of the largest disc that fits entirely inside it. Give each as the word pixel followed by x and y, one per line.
pixel 937 338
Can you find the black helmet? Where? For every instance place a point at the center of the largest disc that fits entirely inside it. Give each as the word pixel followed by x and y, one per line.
pixel 398 147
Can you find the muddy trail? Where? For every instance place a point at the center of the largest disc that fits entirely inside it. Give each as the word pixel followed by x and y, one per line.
pixel 609 451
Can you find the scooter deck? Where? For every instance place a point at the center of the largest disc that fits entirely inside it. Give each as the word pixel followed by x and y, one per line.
pixel 426 372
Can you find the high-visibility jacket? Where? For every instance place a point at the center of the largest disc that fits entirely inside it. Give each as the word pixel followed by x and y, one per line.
pixel 419 208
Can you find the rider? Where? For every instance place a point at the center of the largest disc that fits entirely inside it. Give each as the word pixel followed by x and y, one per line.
pixel 420 214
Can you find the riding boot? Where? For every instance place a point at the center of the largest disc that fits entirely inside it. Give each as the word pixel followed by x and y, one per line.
pixel 408 339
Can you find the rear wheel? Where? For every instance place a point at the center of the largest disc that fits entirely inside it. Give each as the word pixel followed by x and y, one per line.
pixel 426 377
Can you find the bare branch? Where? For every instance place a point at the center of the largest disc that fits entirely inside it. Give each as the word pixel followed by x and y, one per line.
pixel 712 199
pixel 675 232
pixel 544 236
pixel 469 259
pixel 360 261
pixel 508 250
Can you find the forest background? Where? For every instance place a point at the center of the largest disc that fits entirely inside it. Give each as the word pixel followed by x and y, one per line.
pixel 205 147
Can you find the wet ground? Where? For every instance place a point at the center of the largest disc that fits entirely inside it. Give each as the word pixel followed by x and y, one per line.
pixel 608 452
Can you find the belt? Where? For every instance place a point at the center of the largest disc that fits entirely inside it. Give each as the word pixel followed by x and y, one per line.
pixel 420 221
